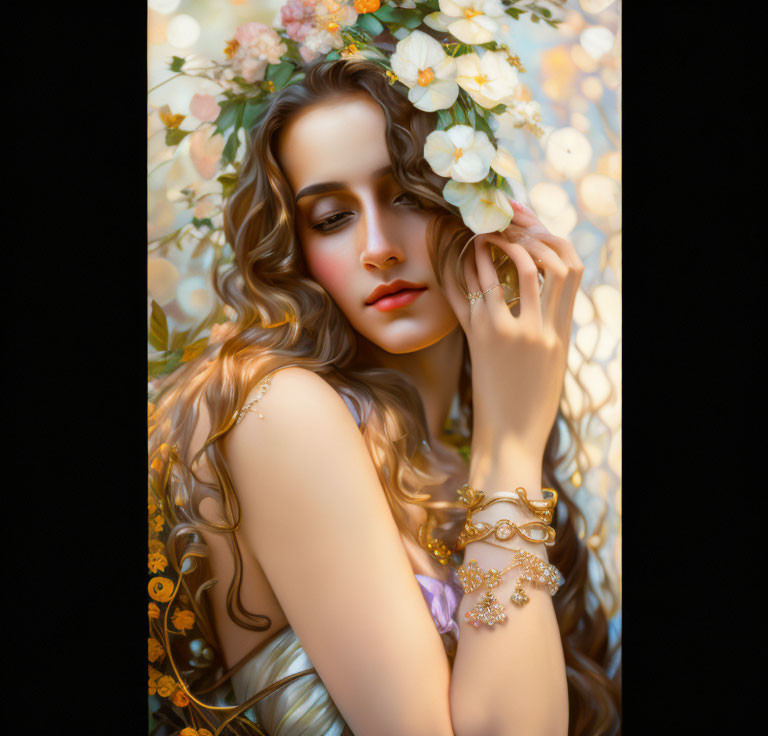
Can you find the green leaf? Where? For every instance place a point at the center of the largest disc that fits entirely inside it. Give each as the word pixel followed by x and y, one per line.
pixel 498 109
pixel 444 120
pixel 370 24
pixel 534 18
pixel 230 148
pixel 179 339
pixel 471 115
pixel 253 111
pixel 194 349
pixel 176 63
pixel 458 111
pixel 482 124
pixel 174 136
pixel 228 184
pixel 388 14
pixel 280 73
pixel 515 12
pixel 158 328
pixel 231 110
pixel 412 21
pixel 333 55
pixel 205 222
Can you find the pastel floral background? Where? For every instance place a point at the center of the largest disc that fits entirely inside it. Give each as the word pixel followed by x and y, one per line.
pixel 572 179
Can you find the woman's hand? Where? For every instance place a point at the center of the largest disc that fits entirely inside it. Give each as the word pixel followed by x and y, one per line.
pixel 518 363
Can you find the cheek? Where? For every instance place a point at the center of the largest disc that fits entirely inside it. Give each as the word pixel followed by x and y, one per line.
pixel 333 271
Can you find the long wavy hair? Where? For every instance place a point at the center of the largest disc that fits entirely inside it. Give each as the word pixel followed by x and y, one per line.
pixel 285 318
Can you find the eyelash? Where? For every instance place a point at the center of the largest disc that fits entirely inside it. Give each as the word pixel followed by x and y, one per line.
pixel 336 220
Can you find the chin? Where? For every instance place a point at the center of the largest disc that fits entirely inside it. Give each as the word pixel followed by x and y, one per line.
pixel 403 338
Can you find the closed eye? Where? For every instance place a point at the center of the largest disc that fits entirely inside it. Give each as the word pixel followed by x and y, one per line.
pixel 408 199
pixel 332 222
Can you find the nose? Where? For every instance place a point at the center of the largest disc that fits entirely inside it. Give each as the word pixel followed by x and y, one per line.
pixel 381 248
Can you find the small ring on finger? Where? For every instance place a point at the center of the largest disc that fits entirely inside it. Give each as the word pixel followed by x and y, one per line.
pixel 492 287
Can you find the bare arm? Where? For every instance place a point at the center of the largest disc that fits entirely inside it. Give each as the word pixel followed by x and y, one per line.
pixel 315 515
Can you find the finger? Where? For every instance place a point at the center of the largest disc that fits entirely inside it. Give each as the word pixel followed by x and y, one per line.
pixel 555 273
pixel 525 217
pixel 493 298
pixel 527 276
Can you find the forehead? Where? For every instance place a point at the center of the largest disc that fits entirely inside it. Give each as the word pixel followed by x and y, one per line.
pixel 340 140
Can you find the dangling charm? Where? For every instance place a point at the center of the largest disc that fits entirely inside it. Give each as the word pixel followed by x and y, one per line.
pixel 488 611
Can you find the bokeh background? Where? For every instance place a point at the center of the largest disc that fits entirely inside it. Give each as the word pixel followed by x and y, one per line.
pixel 572 180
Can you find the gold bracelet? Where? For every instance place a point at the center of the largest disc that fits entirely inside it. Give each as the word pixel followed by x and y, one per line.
pixel 473 499
pixel 489 610
pixel 504 529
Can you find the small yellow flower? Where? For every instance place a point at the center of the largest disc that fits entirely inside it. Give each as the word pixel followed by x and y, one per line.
pixel 165 686
pixel 157 562
pixel 153 610
pixel 171 121
pixel 392 77
pixel 183 620
pixel 155 545
pixel 231 48
pixel 155 650
pixel 160 589
pixel 180 699
pixel 158 521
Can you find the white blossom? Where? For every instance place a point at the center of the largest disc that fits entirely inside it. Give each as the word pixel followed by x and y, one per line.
pixel 461 152
pixel 484 208
pixel 422 65
pixel 489 79
pixel 471 21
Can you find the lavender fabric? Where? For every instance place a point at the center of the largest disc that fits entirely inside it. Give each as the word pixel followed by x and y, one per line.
pixel 442 599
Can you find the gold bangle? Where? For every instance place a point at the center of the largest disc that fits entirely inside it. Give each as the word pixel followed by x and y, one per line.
pixel 473 499
pixel 503 530
pixel 489 610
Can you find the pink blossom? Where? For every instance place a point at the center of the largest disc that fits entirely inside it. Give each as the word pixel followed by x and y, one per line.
pixel 205 150
pixel 204 107
pixel 257 46
pixel 298 16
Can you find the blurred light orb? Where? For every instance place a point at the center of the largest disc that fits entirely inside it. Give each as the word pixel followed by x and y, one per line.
pixel 607 301
pixel 597 41
pixel 548 199
pixel 583 60
pixel 162 280
pixel 569 152
pixel 183 31
pixel 595 6
pixel 611 77
pixel 583 311
pixel 610 165
pixel 586 242
pixel 600 194
pixel 592 88
pixel 166 7
pixel 580 122
pixel 195 297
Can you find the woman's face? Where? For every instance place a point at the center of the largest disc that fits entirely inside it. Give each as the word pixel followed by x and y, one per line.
pixel 360 231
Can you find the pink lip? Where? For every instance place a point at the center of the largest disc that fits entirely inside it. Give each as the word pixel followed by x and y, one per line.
pixel 400 299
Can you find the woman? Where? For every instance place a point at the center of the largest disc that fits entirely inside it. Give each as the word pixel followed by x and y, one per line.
pixel 312 478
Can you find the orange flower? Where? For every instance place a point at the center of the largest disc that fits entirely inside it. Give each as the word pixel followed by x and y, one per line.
pixel 165 686
pixel 158 521
pixel 231 48
pixel 153 677
pixel 154 610
pixel 190 732
pixel 367 6
pixel 171 121
pixel 155 545
pixel 183 619
pixel 160 589
pixel 155 650
pixel 180 698
pixel 204 732
pixel 157 562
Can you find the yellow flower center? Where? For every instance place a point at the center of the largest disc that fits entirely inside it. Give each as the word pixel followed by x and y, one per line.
pixel 425 76
pixel 469 13
pixel 481 78
pixel 333 27
pixel 458 153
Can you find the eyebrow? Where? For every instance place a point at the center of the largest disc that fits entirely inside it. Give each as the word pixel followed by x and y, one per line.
pixel 330 186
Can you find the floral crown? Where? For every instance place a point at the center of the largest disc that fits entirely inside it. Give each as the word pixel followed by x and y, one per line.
pixel 469 78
